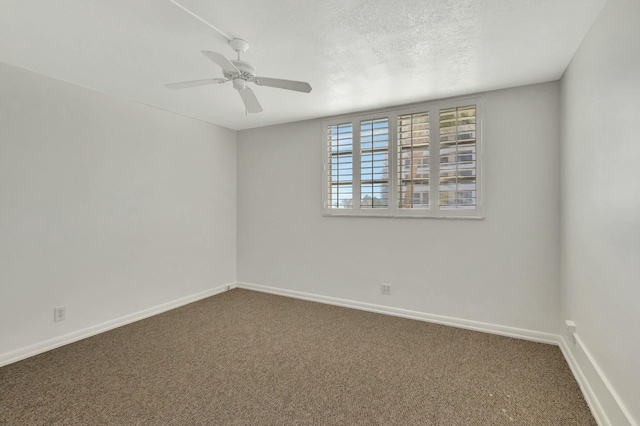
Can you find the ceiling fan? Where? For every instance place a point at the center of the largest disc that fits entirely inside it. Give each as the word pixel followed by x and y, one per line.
pixel 239 72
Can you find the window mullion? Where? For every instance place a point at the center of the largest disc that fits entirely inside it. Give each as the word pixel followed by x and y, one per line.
pixel 357 172
pixel 434 161
pixel 393 158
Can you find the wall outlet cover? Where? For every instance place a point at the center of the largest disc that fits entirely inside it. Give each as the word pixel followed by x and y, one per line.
pixel 59 313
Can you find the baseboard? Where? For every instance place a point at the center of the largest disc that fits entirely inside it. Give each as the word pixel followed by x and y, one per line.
pixel 605 404
pixel 501 330
pixel 592 401
pixel 47 345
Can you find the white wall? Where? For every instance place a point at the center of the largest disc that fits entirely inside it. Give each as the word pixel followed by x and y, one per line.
pixel 601 205
pixel 502 270
pixel 106 206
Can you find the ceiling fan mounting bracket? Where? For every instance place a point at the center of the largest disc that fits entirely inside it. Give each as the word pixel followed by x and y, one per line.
pixel 239 45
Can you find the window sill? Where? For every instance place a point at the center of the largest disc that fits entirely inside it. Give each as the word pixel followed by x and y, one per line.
pixel 404 216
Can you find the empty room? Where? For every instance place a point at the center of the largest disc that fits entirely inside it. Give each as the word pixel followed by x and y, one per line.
pixel 341 212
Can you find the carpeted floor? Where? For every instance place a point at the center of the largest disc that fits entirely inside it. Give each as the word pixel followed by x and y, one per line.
pixel 248 358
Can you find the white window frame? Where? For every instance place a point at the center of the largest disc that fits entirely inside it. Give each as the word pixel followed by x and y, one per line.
pixel 434 210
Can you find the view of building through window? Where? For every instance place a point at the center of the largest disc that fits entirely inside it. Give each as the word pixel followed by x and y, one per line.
pixel 458 158
pixel 400 173
pixel 413 160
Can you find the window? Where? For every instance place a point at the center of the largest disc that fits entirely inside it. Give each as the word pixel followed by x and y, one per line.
pixel 374 163
pixel 340 143
pixel 413 161
pixel 458 158
pixel 422 161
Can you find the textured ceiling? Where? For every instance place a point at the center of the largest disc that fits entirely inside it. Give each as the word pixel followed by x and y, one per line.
pixel 356 54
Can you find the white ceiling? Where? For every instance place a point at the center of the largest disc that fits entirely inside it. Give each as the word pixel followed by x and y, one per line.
pixel 356 54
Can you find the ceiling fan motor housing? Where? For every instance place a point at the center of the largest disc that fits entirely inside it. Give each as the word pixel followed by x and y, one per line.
pixel 247 71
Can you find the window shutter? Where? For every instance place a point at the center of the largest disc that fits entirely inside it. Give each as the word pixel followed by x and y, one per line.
pixel 413 161
pixel 374 163
pixel 458 167
pixel 340 163
pixel 422 160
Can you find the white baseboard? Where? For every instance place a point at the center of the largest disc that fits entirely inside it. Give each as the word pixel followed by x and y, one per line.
pixel 602 399
pixel 585 387
pixel 502 330
pixel 605 404
pixel 47 345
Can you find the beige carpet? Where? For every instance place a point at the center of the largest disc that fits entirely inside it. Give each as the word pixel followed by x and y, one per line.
pixel 247 358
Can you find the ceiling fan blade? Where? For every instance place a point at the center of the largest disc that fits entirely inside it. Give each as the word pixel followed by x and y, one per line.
pixel 250 100
pixel 194 83
pixel 221 60
pixel 299 86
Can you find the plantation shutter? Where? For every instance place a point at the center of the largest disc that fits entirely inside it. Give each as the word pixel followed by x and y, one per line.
pixel 374 163
pixel 340 164
pixel 458 168
pixel 420 161
pixel 413 161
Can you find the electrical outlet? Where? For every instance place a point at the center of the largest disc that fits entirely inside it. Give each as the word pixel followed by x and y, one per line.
pixel 570 331
pixel 59 313
pixel 385 289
